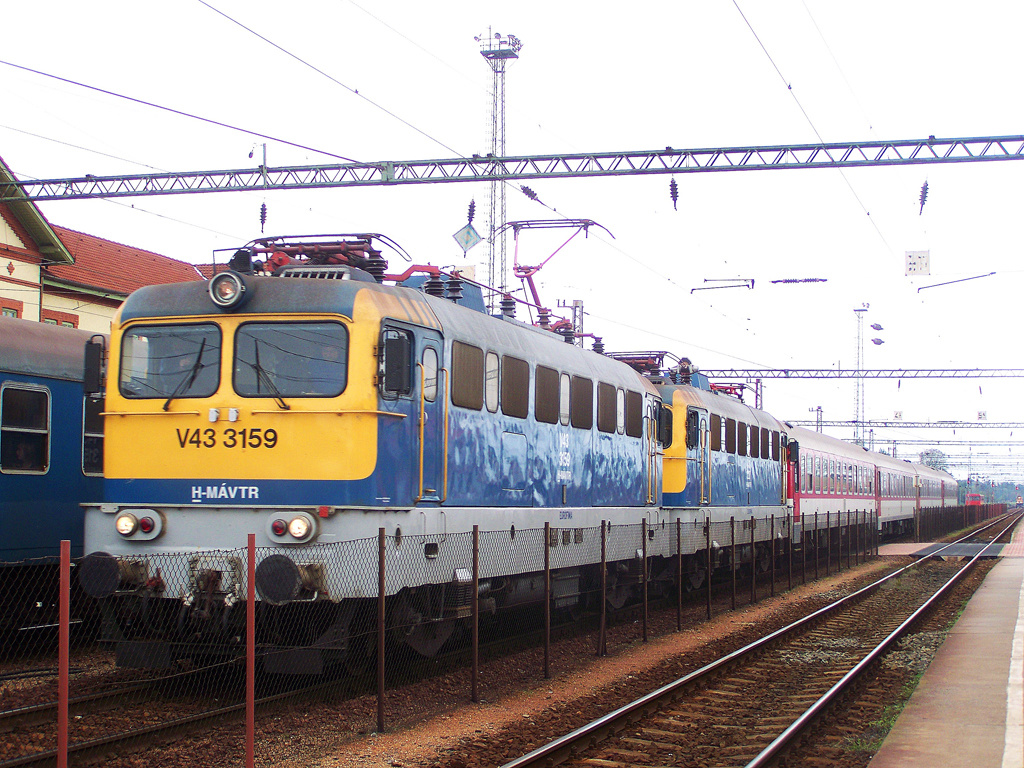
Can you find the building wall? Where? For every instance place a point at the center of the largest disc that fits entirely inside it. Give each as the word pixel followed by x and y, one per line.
pixel 86 314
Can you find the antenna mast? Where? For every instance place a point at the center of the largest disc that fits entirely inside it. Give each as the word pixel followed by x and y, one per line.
pixel 498 51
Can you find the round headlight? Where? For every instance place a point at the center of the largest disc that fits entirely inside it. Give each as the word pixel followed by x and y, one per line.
pixel 299 527
pixel 226 289
pixel 126 524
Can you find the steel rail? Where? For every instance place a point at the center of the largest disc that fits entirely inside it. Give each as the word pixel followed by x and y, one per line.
pixel 564 747
pixel 815 710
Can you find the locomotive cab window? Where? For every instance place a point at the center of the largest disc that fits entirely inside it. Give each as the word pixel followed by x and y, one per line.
pixel 429 374
pixel 295 360
pixel 170 361
pixel 24 429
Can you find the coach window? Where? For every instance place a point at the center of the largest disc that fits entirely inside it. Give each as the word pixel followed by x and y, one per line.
pixel 515 387
pixel 429 374
pixel 582 402
pixel 808 466
pixel 24 429
pixel 563 399
pixel 92 436
pixel 491 381
pixel 467 376
pixel 635 416
pixel 545 395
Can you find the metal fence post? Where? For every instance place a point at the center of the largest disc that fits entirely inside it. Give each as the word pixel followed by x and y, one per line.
pixel 828 548
pixel 789 547
pixel 707 575
pixel 602 647
pixel 772 593
pixel 381 586
pixel 679 574
pixel 817 544
pixel 250 653
pixel 753 562
pixel 643 533
pixel 476 614
pixel 64 654
pixel 547 600
pixel 732 558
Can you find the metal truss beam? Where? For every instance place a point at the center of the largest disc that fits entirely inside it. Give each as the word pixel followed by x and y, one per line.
pixel 911 425
pixel 489 168
pixel 852 373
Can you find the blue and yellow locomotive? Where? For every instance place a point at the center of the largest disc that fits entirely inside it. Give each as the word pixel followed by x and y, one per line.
pixel 319 405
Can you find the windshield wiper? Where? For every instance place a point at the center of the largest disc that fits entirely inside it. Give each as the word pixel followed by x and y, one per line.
pixel 262 375
pixel 190 377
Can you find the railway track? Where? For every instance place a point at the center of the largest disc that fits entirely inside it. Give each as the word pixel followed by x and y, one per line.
pixel 749 707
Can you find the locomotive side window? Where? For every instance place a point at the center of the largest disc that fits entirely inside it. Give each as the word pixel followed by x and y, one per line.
pixel 620 411
pixel 563 399
pixel 730 435
pixel 467 376
pixel 716 432
pixel 429 374
pixel 755 441
pixel 515 387
pixel 741 438
pixel 170 361
pixel 635 415
pixel 582 403
pixel 606 407
pixel 92 436
pixel 545 396
pixel 491 381
pixel 775 446
pixel 24 429
pixel 309 360
pixel 766 443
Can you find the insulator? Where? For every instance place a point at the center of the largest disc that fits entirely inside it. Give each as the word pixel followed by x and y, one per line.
pixel 454 291
pixel 544 319
pixel 673 192
pixel 472 210
pixel 924 196
pixel 263 215
pixel 599 345
pixel 568 334
pixel 434 286
pixel 508 306
pixel 376 265
pixel 528 192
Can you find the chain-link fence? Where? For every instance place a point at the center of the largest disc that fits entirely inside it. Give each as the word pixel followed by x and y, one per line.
pixel 184 636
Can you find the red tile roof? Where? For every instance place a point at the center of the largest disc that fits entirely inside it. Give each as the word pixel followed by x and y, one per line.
pixel 109 266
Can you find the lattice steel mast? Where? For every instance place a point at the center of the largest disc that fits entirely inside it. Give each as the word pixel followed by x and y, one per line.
pixel 498 52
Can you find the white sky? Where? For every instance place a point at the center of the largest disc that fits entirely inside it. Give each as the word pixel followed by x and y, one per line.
pixel 590 78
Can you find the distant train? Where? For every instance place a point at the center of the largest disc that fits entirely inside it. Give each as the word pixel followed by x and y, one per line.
pixel 317 404
pixel 51 461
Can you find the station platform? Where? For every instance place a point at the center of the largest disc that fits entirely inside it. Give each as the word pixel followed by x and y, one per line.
pixel 968 709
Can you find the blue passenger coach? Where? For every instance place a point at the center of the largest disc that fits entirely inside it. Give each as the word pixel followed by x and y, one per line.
pixel 51 459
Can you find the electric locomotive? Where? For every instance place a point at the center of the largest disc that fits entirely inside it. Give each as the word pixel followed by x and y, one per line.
pixel 313 407
pixel 51 460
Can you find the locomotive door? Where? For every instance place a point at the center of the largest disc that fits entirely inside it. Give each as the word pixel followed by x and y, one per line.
pixel 433 392
pixel 698 446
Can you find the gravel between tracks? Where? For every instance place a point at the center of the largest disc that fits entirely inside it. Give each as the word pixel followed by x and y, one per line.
pixel 433 724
